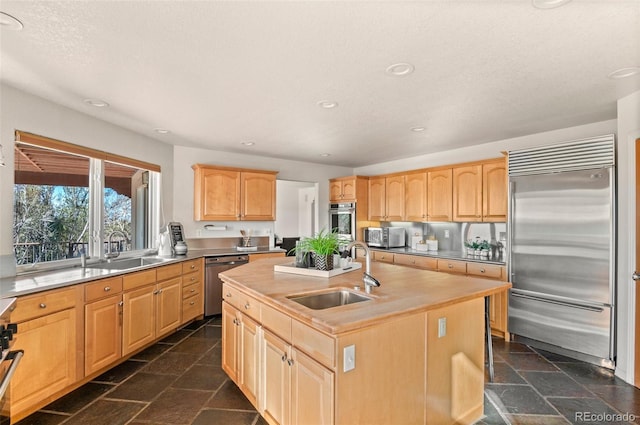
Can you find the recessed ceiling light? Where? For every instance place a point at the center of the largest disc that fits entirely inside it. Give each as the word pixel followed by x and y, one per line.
pixel 418 129
pixel 161 130
pixel 9 22
pixel 325 155
pixel 400 69
pixel 96 102
pixel 327 104
pixel 248 143
pixel 624 72
pixel 548 4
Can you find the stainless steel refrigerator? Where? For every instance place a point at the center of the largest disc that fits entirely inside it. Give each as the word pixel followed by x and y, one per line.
pixel 562 248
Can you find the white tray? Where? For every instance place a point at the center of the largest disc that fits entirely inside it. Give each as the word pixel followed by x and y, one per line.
pixel 291 268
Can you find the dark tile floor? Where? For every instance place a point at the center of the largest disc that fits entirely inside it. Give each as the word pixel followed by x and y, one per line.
pixel 179 381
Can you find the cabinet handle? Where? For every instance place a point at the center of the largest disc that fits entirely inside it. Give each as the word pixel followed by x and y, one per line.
pixel 481 270
pixel 228 295
pixel 413 261
pixel 192 303
pixel 193 290
pixel 193 266
pixel 121 303
pixel 290 362
pixel 43 305
pixel 192 278
pixel 160 291
pixel 450 266
pixel 155 292
pixel 247 306
pixel 107 288
pixel 284 357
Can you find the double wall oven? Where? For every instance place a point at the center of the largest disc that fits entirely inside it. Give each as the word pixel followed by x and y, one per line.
pixel 343 218
pixel 10 359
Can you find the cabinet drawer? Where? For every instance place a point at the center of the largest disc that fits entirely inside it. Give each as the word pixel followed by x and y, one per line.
pixel 167 272
pixel 102 288
pixel 190 278
pixel 138 279
pixel 243 302
pixel 192 265
pixel 191 289
pixel 416 261
pixel 491 271
pixel 277 322
pixel 452 266
pixel 385 257
pixel 41 304
pixel 319 346
pixel 192 307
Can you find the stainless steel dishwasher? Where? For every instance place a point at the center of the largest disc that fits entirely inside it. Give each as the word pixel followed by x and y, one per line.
pixel 213 284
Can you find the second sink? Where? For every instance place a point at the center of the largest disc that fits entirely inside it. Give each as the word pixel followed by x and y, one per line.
pixel 320 301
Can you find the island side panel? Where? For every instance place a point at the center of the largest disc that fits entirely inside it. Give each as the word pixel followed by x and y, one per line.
pixel 388 383
pixel 455 364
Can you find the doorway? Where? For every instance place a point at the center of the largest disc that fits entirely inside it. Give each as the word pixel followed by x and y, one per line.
pixel 637 270
pixel 296 208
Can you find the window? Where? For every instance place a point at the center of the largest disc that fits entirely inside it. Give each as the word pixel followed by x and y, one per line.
pixel 61 199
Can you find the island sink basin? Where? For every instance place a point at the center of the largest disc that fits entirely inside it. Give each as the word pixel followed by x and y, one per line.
pixel 321 301
pixel 126 263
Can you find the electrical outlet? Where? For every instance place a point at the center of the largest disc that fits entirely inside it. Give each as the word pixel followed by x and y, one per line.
pixel 446 234
pixel 349 358
pixel 442 327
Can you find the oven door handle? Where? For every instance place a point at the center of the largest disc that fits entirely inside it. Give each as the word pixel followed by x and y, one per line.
pixel 15 357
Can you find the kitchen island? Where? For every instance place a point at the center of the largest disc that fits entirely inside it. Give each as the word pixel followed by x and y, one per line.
pixel 412 353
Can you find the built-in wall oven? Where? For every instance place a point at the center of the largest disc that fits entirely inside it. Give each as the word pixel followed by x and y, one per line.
pixel 343 218
pixel 9 359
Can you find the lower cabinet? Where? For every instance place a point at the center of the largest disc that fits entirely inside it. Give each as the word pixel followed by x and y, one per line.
pixel 48 334
pixel 297 389
pixel 102 333
pixel 241 350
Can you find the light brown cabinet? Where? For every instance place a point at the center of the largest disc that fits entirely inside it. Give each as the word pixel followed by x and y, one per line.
pixel 233 194
pixel 418 261
pixel 348 189
pixel 415 200
pixel 386 198
pixel 384 257
pixel 192 289
pixel 480 192
pixel 103 324
pixel 48 334
pixel 439 195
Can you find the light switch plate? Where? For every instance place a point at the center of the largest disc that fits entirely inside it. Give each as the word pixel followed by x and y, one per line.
pixel 349 358
pixel 442 327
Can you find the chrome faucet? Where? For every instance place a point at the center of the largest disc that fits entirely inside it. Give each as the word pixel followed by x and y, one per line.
pixel 369 281
pixel 110 255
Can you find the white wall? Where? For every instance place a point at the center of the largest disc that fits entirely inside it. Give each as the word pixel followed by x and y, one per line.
pixel 22 111
pixel 628 131
pixel 185 157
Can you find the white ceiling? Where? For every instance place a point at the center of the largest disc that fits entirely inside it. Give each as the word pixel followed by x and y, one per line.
pixel 217 73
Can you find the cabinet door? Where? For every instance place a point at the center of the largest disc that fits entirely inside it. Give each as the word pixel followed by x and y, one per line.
pixel 138 324
pixel 168 306
pixel 276 396
pixel 348 190
pixel 49 363
pixel 217 194
pixel 258 196
pixel 335 190
pixel 494 192
pixel 467 193
pixel 394 201
pixel 439 195
pixel 377 199
pixel 415 199
pixel 312 388
pixel 102 333
pixel 230 341
pixel 249 358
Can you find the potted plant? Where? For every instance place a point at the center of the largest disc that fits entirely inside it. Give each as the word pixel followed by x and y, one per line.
pixel 323 245
pixel 472 245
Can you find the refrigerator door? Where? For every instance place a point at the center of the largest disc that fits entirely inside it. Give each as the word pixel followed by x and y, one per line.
pixel 561 234
pixel 583 328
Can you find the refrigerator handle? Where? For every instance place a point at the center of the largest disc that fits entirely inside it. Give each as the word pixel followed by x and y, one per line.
pixel 551 301
pixel 511 209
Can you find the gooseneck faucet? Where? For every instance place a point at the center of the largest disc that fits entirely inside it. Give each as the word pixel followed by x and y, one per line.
pixel 110 255
pixel 369 281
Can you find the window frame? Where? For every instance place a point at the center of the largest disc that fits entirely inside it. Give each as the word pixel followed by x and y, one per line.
pixel 97 237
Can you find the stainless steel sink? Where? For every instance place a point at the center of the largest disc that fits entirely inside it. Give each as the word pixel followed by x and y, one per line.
pixel 323 300
pixel 127 263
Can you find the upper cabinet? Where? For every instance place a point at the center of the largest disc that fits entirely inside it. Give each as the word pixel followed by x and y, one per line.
pixel 415 196
pixel 439 186
pixel 386 198
pixel 232 194
pixel 480 192
pixel 348 189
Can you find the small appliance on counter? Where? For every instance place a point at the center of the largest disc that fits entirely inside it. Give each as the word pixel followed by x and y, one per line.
pixel 385 237
pixel 176 237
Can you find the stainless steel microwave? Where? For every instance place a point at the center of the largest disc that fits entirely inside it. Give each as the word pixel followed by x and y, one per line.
pixel 385 237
